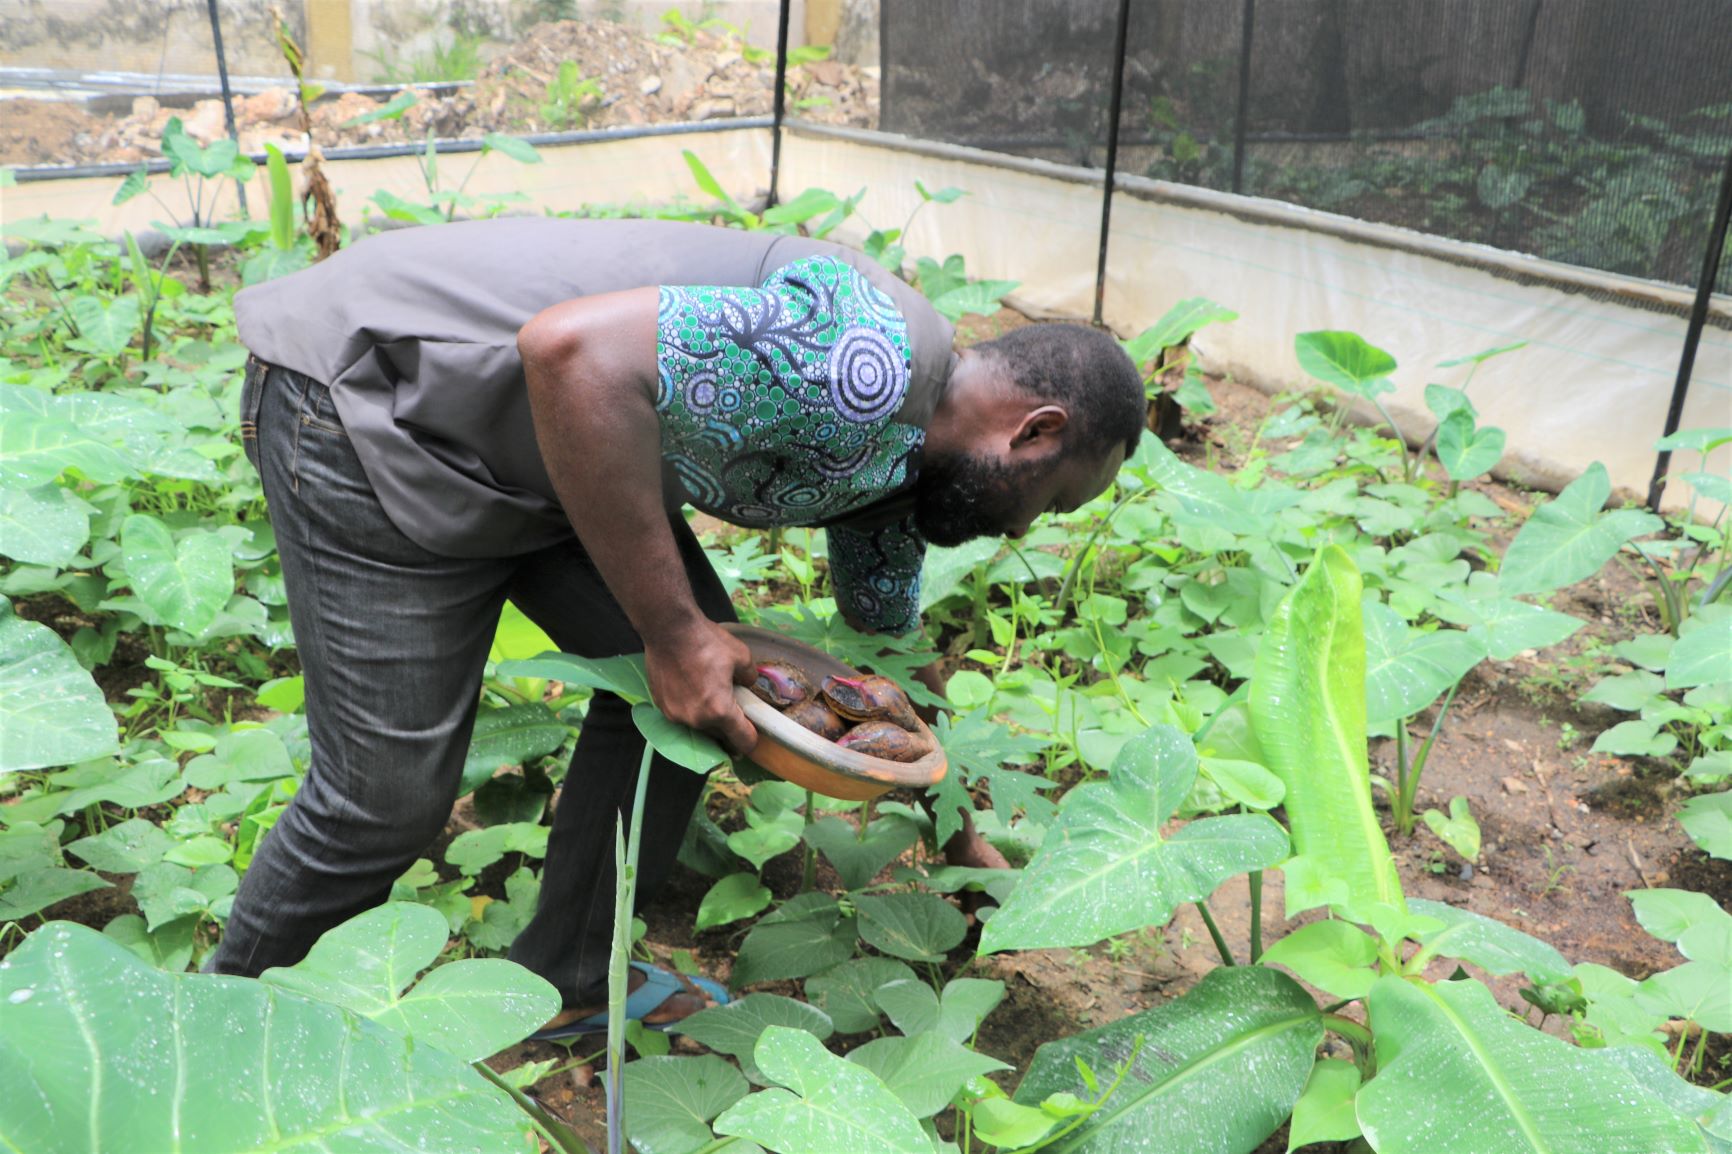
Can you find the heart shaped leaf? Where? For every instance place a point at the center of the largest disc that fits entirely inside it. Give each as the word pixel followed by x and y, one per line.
pixel 153 1045
pixel 50 709
pixel 830 1106
pixel 1108 868
pixel 1568 538
pixel 185 583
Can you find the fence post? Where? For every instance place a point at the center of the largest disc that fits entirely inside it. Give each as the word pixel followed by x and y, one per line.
pixel 779 101
pixel 1247 21
pixel 1693 334
pixel 1112 153
pixel 216 35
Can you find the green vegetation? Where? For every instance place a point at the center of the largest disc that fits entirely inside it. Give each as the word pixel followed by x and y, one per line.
pixel 1221 649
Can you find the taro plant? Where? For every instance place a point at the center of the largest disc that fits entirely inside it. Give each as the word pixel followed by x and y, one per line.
pixel 443 204
pixel 1421 1047
pixel 200 168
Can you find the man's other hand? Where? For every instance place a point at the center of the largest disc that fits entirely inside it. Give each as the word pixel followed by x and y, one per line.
pixel 692 673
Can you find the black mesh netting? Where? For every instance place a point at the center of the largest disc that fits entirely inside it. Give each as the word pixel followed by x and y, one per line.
pixel 1591 132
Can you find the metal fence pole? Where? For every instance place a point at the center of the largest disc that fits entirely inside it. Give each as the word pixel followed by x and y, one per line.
pixel 1112 153
pixel 1693 334
pixel 780 100
pixel 1247 21
pixel 216 34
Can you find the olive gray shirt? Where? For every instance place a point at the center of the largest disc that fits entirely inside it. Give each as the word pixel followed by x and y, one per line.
pixel 415 333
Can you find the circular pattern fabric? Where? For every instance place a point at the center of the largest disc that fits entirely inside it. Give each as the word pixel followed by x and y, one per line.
pixel 777 403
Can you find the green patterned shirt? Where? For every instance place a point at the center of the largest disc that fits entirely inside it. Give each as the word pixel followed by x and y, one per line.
pixel 778 406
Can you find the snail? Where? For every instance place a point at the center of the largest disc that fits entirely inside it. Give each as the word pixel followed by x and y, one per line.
pixel 817 717
pixel 781 684
pixel 887 740
pixel 868 714
pixel 870 698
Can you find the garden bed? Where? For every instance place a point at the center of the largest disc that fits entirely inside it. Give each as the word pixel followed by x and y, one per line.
pixel 1107 647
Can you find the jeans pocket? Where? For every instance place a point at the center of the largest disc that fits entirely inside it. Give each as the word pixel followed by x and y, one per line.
pixel 252 395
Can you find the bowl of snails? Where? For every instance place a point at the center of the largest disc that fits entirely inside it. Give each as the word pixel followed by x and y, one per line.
pixel 826 726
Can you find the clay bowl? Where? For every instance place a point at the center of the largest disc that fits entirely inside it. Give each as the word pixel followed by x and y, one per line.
pixel 798 755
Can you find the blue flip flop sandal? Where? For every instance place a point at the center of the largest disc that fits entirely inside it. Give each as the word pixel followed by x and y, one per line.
pixel 659 985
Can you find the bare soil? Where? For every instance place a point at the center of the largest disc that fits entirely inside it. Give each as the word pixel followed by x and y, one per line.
pixel 642 80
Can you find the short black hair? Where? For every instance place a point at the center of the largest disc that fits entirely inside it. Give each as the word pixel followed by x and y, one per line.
pixel 1083 369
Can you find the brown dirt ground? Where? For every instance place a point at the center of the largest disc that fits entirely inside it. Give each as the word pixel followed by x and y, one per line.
pixel 643 80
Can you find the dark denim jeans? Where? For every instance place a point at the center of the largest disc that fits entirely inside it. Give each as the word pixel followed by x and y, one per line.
pixel 392 642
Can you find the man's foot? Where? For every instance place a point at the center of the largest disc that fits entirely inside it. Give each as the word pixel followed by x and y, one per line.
pixel 682 999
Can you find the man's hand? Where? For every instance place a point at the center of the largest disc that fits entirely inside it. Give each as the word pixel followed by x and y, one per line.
pixel 692 673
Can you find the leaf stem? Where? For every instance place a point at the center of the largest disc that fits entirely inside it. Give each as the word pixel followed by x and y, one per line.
pixel 558 1135
pixel 1256 882
pixel 1215 933
pixel 1354 1032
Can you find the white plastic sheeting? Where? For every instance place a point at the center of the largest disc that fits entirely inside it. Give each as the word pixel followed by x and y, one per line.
pixel 1593 382
pixel 638 170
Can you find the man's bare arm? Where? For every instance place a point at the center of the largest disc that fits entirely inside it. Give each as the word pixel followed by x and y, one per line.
pixel 590 364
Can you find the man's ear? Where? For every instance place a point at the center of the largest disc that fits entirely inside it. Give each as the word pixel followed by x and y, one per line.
pixel 1043 423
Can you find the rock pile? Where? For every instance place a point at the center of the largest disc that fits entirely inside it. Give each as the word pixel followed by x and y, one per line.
pixel 641 80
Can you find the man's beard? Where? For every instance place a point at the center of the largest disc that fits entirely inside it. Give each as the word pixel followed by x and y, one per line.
pixel 960 497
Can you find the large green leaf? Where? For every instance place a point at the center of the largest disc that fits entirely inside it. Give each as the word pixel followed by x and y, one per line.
pixel 1487 943
pixel 1200 497
pixel 1508 626
pixel 1655 1075
pixel 831 1106
pixel 678 743
pixel 51 710
pixel 1345 360
pixel 184 583
pixel 1456 1072
pixel 849 992
pixel 1334 956
pixel 734 1029
pixel 46 526
pixel 514 735
pixel 956 1013
pixel 471 1008
pixel 37 890
pixel 805 936
pixel 1308 712
pixel 917 927
pixel 1708 821
pixel 105 327
pixel 35 448
pixel 1695 921
pixel 1567 539
pixel 1407 669
pixel 1217 1071
pixel 1176 326
pixel 100 1052
pixel 1467 452
pixel 1107 868
pixel 1702 656
pixel 739 895
pixel 669 1102
pixel 925 1071
pixel 859 859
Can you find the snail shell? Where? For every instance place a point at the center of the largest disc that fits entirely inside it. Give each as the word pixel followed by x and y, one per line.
pixel 885 739
pixel 818 718
pixel 780 684
pixel 870 698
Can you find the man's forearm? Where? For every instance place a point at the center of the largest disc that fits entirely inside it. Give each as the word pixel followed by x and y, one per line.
pixel 590 367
